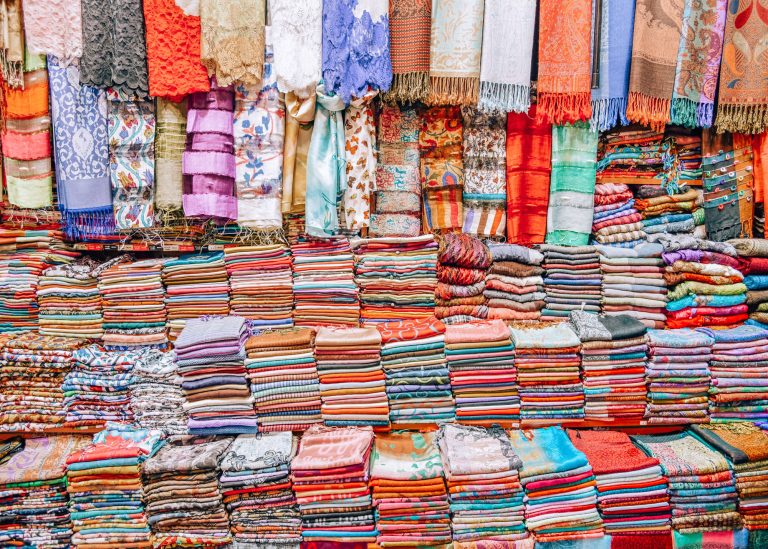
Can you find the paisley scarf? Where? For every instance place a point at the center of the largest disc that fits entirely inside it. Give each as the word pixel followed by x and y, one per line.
pixel 360 139
pixel 169 148
pixel 12 43
pixel 409 30
pixel 297 41
pixel 54 27
pixel 299 120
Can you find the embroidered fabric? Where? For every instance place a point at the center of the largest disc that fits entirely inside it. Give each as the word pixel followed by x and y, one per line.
pixel 54 27
pixel 296 35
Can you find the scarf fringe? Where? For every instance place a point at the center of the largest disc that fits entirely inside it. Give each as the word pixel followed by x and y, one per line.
pixel 82 224
pixel 691 114
pixel 742 118
pixel 13 71
pixel 499 97
pixel 649 111
pixel 408 87
pixel 607 113
pixel 564 108
pixel 453 90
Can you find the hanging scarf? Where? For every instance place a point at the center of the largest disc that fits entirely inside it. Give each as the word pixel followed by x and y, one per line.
pixel 571 193
pixel 654 57
pixel 169 147
pixel 297 40
pixel 565 73
pixel 760 174
pixel 356 47
pixel 409 31
pixel 455 51
pixel 79 115
pixel 505 76
pixel 114 48
pixel 299 119
pixel 54 27
pixel 743 95
pixel 698 63
pixel 173 49
pixel 609 99
pixel 12 43
pixel 232 47
pixel 326 166
pixel 360 138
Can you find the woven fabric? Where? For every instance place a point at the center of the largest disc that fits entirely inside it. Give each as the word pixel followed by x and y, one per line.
pixel 409 33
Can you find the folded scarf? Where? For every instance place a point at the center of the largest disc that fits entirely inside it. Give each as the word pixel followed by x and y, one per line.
pixel 409 33
pixel 360 146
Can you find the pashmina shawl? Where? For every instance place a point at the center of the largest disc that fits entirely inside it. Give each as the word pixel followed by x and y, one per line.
pixel 455 52
pixel 299 120
pixel 183 454
pixel 409 31
pixel 12 43
pixel 297 41
pixel 750 247
pixel 505 72
pixel 468 450
pixel 356 47
pixel 571 202
pixel 407 455
pixel 332 448
pixel 743 96
pixel 232 46
pixel 609 99
pixel 260 451
pixel 564 80
pixel 655 45
pixel 81 145
pixel 42 459
pixel 54 27
pixel 169 147
pixel 360 147
pixel 545 452
pixel 742 442
pixel 681 454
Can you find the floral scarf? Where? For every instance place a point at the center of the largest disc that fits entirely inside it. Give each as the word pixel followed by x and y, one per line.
pixel 360 137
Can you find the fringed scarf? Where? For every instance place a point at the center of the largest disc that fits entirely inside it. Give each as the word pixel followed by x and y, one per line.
pixel 170 142
pixel 455 52
pixel 297 40
pixel 81 146
pixel 12 43
pixel 565 72
pixel 698 63
pixel 505 75
pixel 655 44
pixel 299 120
pixel 54 27
pixel 360 139
pixel 743 95
pixel 409 31
pixel 232 46
pixel 609 99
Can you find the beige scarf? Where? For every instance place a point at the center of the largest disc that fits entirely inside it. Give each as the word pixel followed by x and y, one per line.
pixel 12 43
pixel 299 117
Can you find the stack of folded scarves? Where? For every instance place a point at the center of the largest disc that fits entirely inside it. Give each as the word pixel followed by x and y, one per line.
pixel 482 470
pixel 352 382
pixel 181 491
pixel 514 285
pixel 462 264
pixel 284 383
pixel 668 213
pixel 481 362
pixel 678 376
pixel 633 283
pixel 210 355
pixel 157 400
pixel 261 285
pixel 548 377
pixel 631 155
pixel 414 364
pixel 409 491
pixel 324 287
pixel 255 485
pixel 753 264
pixel 397 278
pixel 702 488
pixel 616 222
pixel 572 280
pixel 739 368
pixel 330 479
pixel 560 495
pixel 105 489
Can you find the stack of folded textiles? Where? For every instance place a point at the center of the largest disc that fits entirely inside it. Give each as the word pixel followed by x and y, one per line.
pixel 614 350
pixel 753 264
pixel 462 264
pixel 352 383
pixel 133 304
pixel 739 368
pixel 33 482
pixel 481 362
pixel 195 285
pixel 413 360
pixel 256 486
pixel 548 377
pixel 616 222
pixel 330 480
pixel 409 491
pixel 482 470
pixel 632 493
pixel 261 285
pixel 559 486
pixel 633 283
pixel 324 287
pixel 157 400
pixel 668 213
pixel 104 484
pixel 210 355
pixel 632 155
pixel 678 376
pixel 181 491
pixel 514 285
pixel 687 146
pixel 397 278
pixel 702 488
pixel 283 374
pixel 572 280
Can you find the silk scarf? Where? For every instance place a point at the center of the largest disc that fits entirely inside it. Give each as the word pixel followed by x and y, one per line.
pixel 299 120
pixel 297 41
pixel 170 141
pixel 54 27
pixel 360 148
pixel 409 32
pixel 12 43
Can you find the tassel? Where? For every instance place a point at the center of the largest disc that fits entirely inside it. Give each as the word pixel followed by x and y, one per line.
pixel 649 111
pixel 453 90
pixel 691 114
pixel 408 87
pixel 498 97
pixel 742 118
pixel 564 108
pixel 608 113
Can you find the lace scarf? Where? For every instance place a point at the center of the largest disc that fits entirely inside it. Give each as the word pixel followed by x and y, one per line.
pixel 170 142
pixel 360 137
pixel 54 27
pixel 12 43
pixel 297 42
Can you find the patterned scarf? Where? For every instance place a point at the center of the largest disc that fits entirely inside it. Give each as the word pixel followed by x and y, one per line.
pixel 360 139
pixel 299 120
pixel 564 81
pixel 297 40
pixel 12 43
pixel 455 51
pixel 409 30
pixel 54 28
pixel 169 149
pixel 505 75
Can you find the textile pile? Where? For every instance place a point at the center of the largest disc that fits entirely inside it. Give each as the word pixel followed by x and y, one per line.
pixel 416 372
pixel 572 280
pixel 284 383
pixel 616 222
pixel 157 400
pixel 397 278
pixel 631 155
pixel 462 264
pixel 481 362
pixel 753 264
pixel 514 285
pixel 668 211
